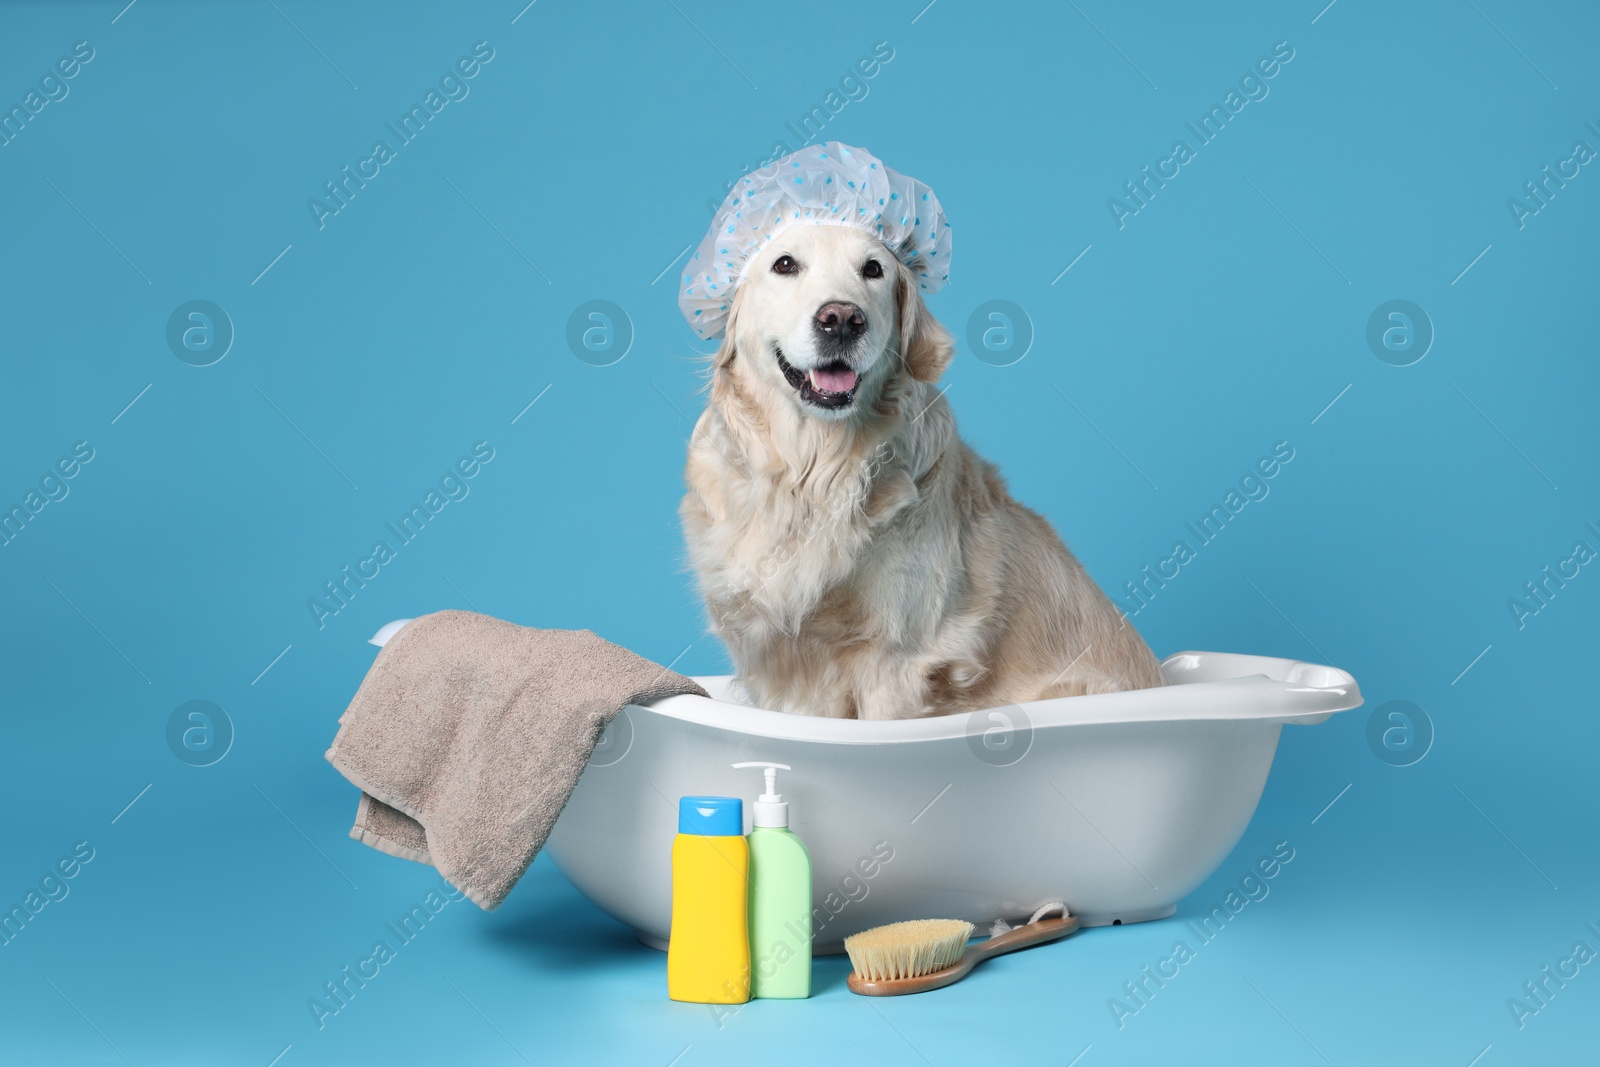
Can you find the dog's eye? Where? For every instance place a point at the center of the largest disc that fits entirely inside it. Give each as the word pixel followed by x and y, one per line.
pixel 873 269
pixel 785 265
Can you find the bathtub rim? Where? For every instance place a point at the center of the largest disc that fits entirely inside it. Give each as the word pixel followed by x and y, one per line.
pixel 1201 687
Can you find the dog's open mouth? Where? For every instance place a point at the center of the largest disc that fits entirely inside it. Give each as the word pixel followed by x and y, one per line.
pixel 832 385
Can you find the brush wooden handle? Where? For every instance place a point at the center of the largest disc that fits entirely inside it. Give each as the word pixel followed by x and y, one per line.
pixel 1025 936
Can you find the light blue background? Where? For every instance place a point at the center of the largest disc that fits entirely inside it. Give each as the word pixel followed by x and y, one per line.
pixel 1224 317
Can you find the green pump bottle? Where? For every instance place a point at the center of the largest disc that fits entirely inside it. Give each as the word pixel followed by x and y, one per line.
pixel 780 897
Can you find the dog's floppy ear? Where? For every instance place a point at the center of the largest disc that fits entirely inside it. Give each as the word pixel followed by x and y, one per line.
pixel 725 352
pixel 925 345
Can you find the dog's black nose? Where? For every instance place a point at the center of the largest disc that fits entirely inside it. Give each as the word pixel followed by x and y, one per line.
pixel 840 324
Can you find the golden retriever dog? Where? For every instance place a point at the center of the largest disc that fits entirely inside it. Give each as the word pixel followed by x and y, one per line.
pixel 857 558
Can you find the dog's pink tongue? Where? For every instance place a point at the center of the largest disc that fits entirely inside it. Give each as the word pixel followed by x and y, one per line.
pixel 833 381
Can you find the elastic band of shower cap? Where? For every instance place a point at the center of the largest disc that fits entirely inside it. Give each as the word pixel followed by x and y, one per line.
pixel 826 184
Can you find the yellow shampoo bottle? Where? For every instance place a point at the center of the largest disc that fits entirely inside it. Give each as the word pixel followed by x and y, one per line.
pixel 708 952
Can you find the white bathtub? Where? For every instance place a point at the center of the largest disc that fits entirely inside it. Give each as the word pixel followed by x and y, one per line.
pixel 1117 805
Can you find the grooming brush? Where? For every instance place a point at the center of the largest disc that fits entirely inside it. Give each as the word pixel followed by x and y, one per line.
pixel 924 954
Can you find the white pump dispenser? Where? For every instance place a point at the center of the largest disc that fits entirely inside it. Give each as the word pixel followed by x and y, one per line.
pixel 780 896
pixel 770 809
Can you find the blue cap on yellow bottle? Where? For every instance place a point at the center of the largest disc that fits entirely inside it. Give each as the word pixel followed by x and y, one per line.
pixel 711 816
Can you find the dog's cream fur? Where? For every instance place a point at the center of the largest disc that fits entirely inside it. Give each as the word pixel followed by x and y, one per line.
pixel 867 563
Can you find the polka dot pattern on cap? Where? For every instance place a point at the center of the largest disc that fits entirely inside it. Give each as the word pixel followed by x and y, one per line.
pixel 828 184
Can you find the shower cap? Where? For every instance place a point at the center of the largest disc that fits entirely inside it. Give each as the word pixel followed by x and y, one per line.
pixel 828 184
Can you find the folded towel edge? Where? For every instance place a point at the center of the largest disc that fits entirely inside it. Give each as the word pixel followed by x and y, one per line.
pixel 384 844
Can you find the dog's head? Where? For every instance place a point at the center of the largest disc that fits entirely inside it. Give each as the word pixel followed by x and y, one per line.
pixel 824 319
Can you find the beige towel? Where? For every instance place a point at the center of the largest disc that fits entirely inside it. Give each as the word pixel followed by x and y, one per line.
pixel 468 735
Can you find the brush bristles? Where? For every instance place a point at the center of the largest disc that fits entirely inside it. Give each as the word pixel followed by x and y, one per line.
pixel 907 950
